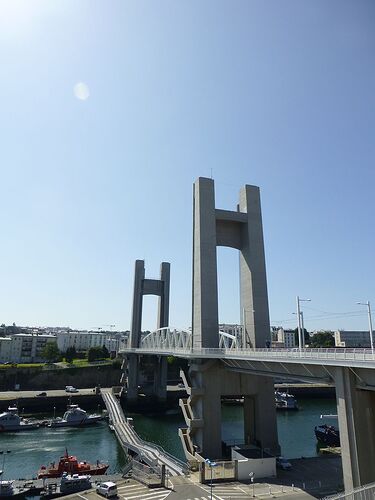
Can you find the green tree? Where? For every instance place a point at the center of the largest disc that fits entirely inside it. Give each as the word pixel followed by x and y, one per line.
pixel 305 333
pixel 95 353
pixel 323 339
pixel 105 352
pixel 70 354
pixel 51 352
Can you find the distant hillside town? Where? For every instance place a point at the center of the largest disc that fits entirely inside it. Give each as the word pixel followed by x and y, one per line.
pixel 24 344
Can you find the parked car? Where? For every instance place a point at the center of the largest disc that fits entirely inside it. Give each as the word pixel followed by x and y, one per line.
pixel 283 463
pixel 70 388
pixel 41 395
pixel 107 489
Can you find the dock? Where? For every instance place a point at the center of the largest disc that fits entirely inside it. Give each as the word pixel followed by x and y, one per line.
pixel 149 453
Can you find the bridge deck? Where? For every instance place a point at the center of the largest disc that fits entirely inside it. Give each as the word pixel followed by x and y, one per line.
pixel 149 453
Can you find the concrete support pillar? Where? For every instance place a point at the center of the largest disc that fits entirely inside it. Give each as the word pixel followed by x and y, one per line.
pixel 132 370
pixel 205 320
pixel 253 282
pixel 356 414
pixel 209 382
pixel 249 419
pixel 160 378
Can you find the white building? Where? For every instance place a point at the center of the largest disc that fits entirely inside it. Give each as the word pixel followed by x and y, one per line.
pixel 350 338
pixel 82 341
pixel 287 337
pixel 24 348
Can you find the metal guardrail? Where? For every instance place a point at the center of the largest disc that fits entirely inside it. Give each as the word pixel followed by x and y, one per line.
pixel 334 354
pixel 366 492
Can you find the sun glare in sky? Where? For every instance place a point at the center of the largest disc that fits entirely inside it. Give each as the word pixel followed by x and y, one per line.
pixel 81 91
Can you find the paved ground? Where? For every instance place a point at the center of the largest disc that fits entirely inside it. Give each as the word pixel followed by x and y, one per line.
pixel 300 483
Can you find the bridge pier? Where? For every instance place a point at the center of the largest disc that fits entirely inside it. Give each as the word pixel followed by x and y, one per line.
pixel 210 381
pixel 356 415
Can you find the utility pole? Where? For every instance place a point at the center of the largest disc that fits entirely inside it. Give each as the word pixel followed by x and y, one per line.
pixel 369 322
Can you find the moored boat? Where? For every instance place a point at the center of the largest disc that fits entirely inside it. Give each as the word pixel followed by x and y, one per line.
pixel 10 421
pixel 71 465
pixel 327 435
pixel 8 490
pixel 75 417
pixel 69 484
pixel 285 401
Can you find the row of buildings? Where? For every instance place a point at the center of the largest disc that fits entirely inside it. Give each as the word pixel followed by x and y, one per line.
pixel 286 338
pixel 28 347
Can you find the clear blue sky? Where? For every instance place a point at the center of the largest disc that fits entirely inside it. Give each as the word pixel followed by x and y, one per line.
pixel 276 94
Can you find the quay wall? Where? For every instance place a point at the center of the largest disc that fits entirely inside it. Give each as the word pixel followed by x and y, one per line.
pixel 46 378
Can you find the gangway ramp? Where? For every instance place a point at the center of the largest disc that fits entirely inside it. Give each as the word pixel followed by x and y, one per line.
pixel 150 453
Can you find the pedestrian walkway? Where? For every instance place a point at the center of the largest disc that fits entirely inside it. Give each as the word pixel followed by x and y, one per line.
pixel 149 453
pixel 136 491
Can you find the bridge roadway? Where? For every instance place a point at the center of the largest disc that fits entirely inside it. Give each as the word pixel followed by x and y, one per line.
pixel 312 365
pixel 149 453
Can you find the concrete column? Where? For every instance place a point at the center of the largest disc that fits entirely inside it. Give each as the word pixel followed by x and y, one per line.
pixel 136 322
pixel 161 373
pixel 249 419
pixel 205 320
pixel 132 377
pixel 160 378
pixel 356 412
pixel 163 308
pixel 265 415
pixel 254 295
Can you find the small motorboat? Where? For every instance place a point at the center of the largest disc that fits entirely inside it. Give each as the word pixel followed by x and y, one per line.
pixel 8 490
pixel 10 421
pixel 69 484
pixel 327 435
pixel 285 401
pixel 71 465
pixel 75 417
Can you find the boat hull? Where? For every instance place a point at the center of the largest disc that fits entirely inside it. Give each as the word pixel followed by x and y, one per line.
pixel 328 436
pixel 18 428
pixel 54 473
pixel 83 423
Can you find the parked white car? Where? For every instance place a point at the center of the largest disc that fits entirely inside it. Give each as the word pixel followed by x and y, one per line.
pixel 70 388
pixel 107 489
pixel 283 463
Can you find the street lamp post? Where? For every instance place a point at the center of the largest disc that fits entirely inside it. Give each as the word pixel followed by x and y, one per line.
pixel 299 315
pixel 369 322
pixel 211 465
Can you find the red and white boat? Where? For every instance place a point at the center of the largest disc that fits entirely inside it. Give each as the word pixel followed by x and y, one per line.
pixel 71 465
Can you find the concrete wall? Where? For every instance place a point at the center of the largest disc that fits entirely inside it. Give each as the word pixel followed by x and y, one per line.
pixel 261 467
pixel 38 379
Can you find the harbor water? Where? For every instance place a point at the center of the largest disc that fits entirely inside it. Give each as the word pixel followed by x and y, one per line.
pixel 31 449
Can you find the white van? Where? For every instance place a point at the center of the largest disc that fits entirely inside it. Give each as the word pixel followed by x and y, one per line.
pixel 107 489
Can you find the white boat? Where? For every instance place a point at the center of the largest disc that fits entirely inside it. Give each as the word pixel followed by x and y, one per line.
pixel 285 401
pixel 8 490
pixel 11 421
pixel 69 484
pixel 75 417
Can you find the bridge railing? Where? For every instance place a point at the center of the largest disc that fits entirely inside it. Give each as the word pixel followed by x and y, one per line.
pixel 366 492
pixel 338 354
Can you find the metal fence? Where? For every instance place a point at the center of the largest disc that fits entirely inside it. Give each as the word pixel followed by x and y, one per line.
pixel 362 493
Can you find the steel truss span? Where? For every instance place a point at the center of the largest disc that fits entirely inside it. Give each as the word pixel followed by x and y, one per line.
pixel 178 342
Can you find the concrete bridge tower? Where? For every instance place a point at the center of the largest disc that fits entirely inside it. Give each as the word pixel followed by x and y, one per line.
pixel 144 286
pixel 209 381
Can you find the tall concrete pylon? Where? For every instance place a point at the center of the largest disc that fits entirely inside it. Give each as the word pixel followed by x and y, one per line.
pixel 241 229
pixel 145 286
